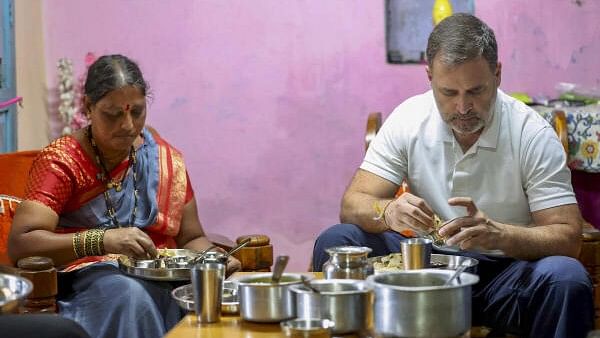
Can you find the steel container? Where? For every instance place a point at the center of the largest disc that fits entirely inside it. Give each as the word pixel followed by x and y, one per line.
pixel 347 302
pixel 13 290
pixel 416 303
pixel 348 262
pixel 264 301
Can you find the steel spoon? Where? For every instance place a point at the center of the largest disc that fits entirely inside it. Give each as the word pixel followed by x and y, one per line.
pixel 456 275
pixel 280 264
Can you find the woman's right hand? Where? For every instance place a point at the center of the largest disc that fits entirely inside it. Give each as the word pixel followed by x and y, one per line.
pixel 410 211
pixel 131 242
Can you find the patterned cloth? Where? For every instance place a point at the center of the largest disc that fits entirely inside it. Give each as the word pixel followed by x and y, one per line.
pixel 583 128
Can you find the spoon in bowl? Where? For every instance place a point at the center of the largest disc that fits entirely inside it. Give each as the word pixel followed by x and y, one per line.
pixel 456 274
pixel 280 264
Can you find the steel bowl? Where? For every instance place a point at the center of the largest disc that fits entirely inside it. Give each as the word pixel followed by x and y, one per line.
pixel 309 328
pixel 347 302
pixel 417 303
pixel 261 300
pixel 184 296
pixel 13 290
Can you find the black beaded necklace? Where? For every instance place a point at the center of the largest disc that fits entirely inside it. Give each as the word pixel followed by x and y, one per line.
pixel 105 178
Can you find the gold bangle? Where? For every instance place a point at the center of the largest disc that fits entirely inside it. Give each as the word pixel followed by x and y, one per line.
pixel 77 245
pixel 97 241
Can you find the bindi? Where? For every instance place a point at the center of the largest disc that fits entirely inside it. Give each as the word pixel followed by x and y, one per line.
pixel 127 107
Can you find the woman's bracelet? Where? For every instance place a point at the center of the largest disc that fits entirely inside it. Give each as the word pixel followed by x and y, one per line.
pixel 89 243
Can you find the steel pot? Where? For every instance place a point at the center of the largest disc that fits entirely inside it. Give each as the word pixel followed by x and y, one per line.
pixel 261 300
pixel 347 302
pixel 416 303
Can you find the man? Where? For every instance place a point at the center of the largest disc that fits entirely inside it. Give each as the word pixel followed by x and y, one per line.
pixel 495 171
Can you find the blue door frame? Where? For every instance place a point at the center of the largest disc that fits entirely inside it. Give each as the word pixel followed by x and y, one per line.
pixel 8 115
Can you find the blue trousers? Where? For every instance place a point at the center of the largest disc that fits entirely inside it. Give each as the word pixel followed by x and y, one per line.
pixel 550 297
pixel 107 303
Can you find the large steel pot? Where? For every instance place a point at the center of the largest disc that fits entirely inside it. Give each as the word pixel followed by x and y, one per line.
pixel 347 302
pixel 416 303
pixel 264 301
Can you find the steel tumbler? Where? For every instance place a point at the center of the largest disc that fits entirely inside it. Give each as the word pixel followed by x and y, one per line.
pixel 207 284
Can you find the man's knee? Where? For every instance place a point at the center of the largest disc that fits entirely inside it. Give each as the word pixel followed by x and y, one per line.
pixel 565 278
pixel 339 234
pixel 562 269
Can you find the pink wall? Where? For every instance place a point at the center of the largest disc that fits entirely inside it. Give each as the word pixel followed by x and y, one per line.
pixel 268 99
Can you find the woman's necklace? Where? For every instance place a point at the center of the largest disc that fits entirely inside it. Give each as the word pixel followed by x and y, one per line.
pixel 117 185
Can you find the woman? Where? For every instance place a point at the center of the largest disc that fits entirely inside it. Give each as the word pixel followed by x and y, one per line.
pixel 115 187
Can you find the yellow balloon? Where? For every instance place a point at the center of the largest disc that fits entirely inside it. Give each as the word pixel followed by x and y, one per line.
pixel 441 10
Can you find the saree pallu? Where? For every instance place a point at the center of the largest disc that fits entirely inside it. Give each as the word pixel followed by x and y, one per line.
pixel 67 180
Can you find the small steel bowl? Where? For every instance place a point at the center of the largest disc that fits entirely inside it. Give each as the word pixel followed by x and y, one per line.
pixel 184 296
pixel 147 263
pixel 177 262
pixel 230 303
pixel 313 328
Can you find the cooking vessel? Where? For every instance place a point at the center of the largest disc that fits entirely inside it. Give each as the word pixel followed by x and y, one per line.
pixel 347 302
pixel 261 300
pixel 416 303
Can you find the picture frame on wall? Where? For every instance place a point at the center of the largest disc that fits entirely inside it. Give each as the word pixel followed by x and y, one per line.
pixel 408 25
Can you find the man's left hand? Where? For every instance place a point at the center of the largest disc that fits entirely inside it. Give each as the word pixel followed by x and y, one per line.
pixel 474 231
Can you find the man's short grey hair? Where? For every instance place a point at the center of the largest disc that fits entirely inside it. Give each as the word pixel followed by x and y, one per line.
pixel 462 37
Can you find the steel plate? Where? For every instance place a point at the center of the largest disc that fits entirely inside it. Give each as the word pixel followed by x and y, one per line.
pixel 439 261
pixel 162 273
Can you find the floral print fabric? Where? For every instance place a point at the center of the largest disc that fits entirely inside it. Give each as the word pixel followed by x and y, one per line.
pixel 583 126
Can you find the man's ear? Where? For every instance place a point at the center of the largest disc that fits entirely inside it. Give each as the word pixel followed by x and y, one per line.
pixel 498 74
pixel 428 70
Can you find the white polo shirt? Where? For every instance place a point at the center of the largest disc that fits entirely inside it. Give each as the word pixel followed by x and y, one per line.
pixel 517 166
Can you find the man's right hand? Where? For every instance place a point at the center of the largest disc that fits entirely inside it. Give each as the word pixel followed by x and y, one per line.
pixel 131 242
pixel 409 211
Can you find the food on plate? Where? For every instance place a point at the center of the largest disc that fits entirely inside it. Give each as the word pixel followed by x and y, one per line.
pixel 391 262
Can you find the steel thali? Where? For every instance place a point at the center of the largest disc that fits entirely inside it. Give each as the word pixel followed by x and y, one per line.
pixel 393 262
pixel 171 265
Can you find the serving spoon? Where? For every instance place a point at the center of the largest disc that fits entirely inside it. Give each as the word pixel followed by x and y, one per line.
pixel 456 274
pixel 280 264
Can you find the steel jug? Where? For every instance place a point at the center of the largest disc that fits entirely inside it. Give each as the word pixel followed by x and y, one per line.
pixel 348 262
